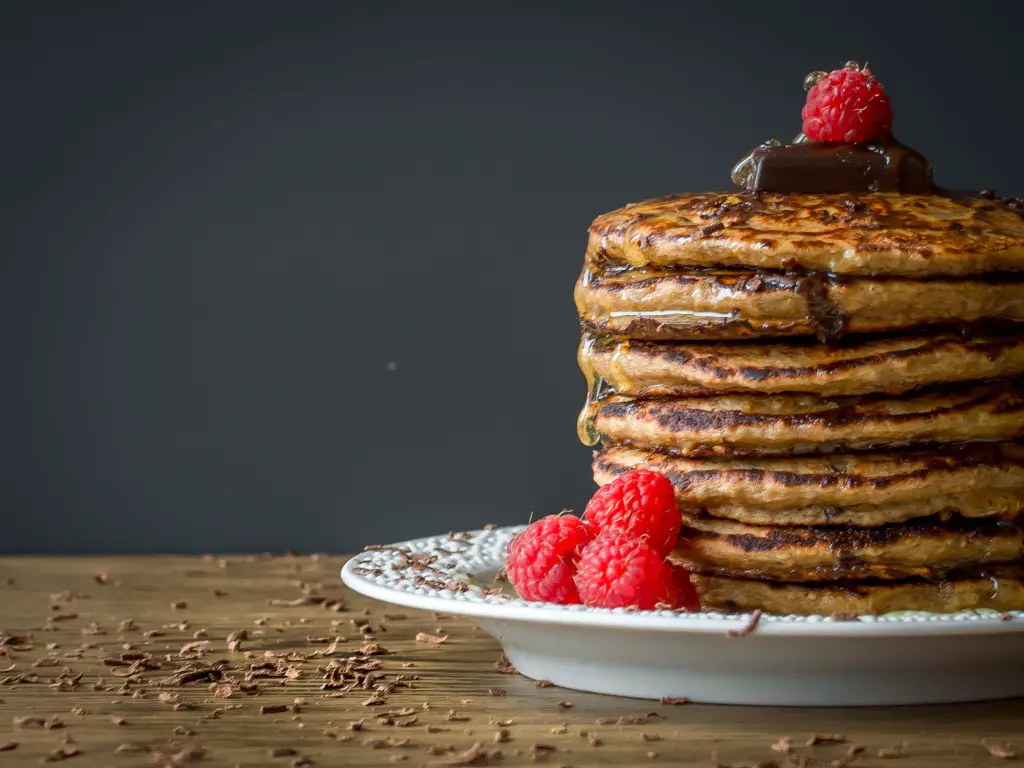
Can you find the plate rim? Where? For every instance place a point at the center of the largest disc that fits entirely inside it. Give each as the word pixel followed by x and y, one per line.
pixel 709 622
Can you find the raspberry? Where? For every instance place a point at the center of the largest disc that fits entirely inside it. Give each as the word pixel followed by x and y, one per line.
pixel 641 504
pixel 846 105
pixel 686 595
pixel 541 560
pixel 616 571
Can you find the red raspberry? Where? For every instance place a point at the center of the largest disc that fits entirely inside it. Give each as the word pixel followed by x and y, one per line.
pixel 846 105
pixel 641 504
pixel 616 571
pixel 541 560
pixel 686 596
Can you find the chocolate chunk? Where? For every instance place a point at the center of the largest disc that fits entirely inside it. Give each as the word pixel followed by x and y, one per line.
pixel 815 167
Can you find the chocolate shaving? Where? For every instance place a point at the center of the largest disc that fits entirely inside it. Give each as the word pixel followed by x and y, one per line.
pixel 196 648
pixel 298 602
pixel 28 720
pixel 594 740
pixel 61 753
pixel 475 755
pixel 504 666
pixel 845 616
pixel 565 704
pixel 7 746
pixel 130 747
pixel 283 752
pixel 541 752
pixel 674 700
pixel 403 712
pixel 1001 751
pixel 623 720
pixel 502 735
pixel 424 637
pixel 390 742
pixel 825 738
pixel 899 750
pixel 748 628
pixel 456 717
pixel 181 757
pixel 543 683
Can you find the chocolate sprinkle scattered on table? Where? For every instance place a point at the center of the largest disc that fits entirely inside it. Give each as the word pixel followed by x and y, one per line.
pixel 749 627
pixel 1001 751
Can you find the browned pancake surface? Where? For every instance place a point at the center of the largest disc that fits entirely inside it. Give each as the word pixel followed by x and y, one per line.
pixel 863 234
pixel 758 424
pixel 824 484
pixel 881 365
pixel 1000 589
pixel 925 549
pixel 666 303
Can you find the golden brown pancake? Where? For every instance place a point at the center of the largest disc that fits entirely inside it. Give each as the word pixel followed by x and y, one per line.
pixel 846 234
pixel 665 303
pixel 890 365
pixel 791 424
pixel 1000 589
pixel 981 504
pixel 925 549
pixel 849 487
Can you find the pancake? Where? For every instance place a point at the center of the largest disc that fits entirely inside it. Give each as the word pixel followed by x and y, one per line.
pixel 888 365
pixel 847 234
pixel 675 304
pixel 791 424
pixel 863 487
pixel 1000 589
pixel 925 549
pixel 980 504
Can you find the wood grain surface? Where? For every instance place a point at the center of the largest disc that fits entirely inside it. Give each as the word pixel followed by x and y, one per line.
pixel 269 661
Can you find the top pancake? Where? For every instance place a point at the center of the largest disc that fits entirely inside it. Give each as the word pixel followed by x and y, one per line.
pixel 847 234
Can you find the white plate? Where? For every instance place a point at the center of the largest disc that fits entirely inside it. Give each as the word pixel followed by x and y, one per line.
pixel 785 660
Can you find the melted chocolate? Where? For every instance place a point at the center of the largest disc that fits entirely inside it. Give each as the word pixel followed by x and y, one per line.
pixel 815 167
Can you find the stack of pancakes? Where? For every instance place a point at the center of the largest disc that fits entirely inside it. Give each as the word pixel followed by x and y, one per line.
pixel 834 384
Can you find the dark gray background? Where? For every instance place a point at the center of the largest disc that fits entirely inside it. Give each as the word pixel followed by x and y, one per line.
pixel 299 274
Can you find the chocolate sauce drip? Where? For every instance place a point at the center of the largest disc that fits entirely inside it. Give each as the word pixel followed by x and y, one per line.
pixel 815 167
pixel 829 320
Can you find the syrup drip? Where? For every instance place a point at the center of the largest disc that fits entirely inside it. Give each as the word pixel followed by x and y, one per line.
pixel 587 276
pixel 651 313
pixel 596 386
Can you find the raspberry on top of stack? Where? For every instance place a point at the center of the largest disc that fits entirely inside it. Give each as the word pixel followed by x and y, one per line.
pixel 824 363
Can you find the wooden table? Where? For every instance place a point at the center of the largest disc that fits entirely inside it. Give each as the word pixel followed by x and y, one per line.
pixel 270 661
